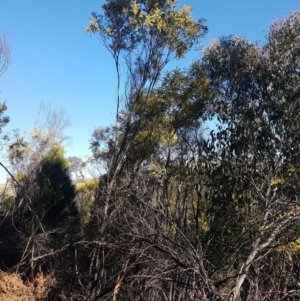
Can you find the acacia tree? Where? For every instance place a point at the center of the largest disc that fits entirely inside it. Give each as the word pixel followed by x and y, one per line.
pixel 54 191
pixel 252 176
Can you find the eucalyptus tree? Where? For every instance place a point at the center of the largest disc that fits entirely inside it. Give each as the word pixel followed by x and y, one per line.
pixel 142 37
pixel 214 212
pixel 252 177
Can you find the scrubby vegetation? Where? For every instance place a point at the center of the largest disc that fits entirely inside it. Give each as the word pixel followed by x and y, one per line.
pixel 177 213
pixel 12 287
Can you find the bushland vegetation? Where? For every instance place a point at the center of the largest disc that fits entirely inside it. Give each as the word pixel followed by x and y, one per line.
pixel 178 212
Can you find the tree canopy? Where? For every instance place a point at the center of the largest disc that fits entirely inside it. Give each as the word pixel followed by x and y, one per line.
pixel 198 193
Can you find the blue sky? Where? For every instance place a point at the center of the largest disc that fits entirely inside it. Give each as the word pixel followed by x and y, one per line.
pixel 55 61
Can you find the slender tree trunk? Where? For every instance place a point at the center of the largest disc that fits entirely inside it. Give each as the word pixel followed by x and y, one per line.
pixel 243 271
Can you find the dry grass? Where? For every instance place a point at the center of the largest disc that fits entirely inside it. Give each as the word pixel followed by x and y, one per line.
pixel 12 287
pixel 42 285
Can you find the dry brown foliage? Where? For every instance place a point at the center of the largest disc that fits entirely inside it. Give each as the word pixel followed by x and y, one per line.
pixel 12 287
pixel 42 285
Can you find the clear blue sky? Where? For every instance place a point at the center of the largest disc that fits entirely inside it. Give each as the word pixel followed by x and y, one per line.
pixel 55 61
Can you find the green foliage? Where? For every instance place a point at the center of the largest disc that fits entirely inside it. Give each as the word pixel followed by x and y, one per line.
pixel 179 213
pixel 126 24
pixel 4 120
pixel 251 159
pixel 144 36
pixel 85 197
pixel 54 191
pixel 160 117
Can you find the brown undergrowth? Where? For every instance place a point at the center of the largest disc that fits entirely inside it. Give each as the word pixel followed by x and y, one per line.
pixel 13 288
